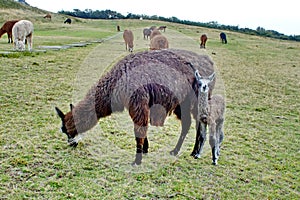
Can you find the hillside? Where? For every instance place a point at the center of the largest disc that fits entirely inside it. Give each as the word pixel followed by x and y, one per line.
pixel 10 9
pixel 259 77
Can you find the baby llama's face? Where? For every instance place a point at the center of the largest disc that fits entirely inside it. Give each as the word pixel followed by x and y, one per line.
pixel 20 46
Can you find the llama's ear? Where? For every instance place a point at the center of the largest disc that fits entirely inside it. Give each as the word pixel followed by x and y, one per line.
pixel 71 107
pixel 212 77
pixel 60 113
pixel 197 75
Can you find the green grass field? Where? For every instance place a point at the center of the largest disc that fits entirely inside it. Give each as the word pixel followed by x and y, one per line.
pixel 259 156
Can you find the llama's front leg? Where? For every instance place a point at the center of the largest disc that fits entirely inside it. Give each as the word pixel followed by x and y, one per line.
pixel 200 140
pixel 139 151
pixel 29 42
pixel 145 146
pixel 141 142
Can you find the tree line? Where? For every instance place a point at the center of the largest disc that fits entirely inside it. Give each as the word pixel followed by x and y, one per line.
pixel 109 14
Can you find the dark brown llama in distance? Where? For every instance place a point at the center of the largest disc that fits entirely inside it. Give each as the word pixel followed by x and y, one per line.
pixel 7 28
pixel 203 40
pixel 48 16
pixel 137 83
pixel 162 28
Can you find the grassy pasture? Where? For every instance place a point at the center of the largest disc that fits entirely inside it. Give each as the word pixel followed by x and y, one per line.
pixel 260 153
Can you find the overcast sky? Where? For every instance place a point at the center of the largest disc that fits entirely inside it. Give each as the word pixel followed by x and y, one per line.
pixel 281 16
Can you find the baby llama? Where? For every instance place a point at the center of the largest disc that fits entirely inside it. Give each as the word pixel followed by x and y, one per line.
pixel 210 113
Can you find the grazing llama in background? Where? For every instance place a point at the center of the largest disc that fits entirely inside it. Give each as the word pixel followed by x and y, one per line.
pixel 146 33
pixel 22 30
pixel 159 42
pixel 223 38
pixel 162 28
pixel 137 83
pixel 48 16
pixel 7 28
pixel 128 38
pixel 68 21
pixel 210 113
pixel 203 40
pixel 154 33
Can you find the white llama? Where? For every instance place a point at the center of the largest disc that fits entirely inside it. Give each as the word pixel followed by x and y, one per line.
pixel 211 114
pixel 22 30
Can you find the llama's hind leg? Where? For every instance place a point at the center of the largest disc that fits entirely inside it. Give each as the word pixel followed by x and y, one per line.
pixel 183 113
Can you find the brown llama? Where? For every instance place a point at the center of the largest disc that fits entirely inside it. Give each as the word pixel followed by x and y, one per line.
pixel 128 38
pixel 203 40
pixel 7 28
pixel 154 33
pixel 137 83
pixel 162 28
pixel 48 16
pixel 159 42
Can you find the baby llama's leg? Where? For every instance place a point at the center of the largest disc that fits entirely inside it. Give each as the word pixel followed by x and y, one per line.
pixel 220 133
pixel 201 128
pixel 214 143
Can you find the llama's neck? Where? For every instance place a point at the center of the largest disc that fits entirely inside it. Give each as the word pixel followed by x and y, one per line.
pixel 88 111
pixel 202 104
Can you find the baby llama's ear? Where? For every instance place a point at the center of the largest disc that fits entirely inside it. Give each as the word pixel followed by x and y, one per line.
pixel 212 77
pixel 197 75
pixel 71 107
pixel 60 113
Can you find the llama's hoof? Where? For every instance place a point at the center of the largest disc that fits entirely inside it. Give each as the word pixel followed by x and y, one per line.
pixel 174 152
pixel 73 144
pixel 145 152
pixel 215 162
pixel 136 163
pixel 196 155
pixel 138 159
